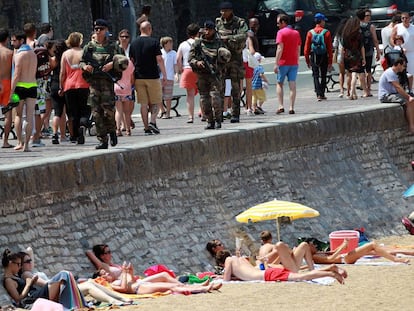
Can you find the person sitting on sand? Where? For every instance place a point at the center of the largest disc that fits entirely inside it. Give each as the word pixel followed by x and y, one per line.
pixel 101 257
pixel 240 268
pixel 351 257
pixel 280 253
pixel 213 246
pixel 160 282
pixel 87 288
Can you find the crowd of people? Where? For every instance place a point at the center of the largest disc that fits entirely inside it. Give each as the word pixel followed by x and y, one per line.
pixel 98 83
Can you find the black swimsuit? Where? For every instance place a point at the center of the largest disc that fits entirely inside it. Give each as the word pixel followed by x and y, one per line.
pixel 34 293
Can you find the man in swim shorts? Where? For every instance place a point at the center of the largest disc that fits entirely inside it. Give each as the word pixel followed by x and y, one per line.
pixel 25 86
pixel 240 268
pixel 6 57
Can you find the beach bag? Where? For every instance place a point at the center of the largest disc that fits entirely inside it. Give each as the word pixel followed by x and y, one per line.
pixel 318 46
pixel 408 225
pixel 42 304
pixel 158 269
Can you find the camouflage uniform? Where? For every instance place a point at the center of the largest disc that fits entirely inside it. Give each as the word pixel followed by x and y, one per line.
pixel 102 96
pixel 235 30
pixel 210 78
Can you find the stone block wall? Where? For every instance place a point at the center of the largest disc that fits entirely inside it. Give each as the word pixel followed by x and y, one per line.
pixel 161 204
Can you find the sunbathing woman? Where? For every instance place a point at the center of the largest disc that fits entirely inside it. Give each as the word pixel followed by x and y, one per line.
pixel 86 288
pixel 160 282
pixel 351 257
pixel 61 288
pixel 101 257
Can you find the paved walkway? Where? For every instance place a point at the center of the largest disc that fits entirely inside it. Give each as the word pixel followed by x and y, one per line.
pixel 177 129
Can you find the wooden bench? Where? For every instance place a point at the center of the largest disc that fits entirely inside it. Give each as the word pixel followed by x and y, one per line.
pixel 175 101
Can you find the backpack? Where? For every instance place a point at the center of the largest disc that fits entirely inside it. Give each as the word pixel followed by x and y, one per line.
pixel 43 64
pixel 318 46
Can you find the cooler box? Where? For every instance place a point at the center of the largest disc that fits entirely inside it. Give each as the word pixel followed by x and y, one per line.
pixel 337 237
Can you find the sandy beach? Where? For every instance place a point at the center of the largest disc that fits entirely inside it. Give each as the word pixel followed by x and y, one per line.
pixel 387 287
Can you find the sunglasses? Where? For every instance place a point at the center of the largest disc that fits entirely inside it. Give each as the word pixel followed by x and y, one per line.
pixel 27 261
pixel 125 37
pixel 99 28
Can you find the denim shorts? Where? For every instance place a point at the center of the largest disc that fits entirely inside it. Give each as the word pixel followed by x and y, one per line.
pixel 290 72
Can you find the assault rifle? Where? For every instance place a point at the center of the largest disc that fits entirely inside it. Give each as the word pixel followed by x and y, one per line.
pixel 205 59
pixel 97 68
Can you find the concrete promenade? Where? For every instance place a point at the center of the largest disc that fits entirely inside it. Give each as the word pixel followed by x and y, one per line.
pixel 306 108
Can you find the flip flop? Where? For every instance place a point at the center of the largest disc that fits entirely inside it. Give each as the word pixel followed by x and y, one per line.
pixel 7 147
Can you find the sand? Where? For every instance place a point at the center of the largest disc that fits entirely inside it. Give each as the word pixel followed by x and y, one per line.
pixel 366 288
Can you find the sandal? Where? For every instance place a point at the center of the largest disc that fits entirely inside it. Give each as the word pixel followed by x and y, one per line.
pixel 161 114
pixel 190 120
pixel 280 110
pixel 128 133
pixel 118 133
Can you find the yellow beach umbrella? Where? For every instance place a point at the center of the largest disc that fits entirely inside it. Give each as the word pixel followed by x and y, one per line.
pixel 276 210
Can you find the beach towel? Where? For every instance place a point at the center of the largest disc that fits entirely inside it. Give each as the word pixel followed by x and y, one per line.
pixel 70 296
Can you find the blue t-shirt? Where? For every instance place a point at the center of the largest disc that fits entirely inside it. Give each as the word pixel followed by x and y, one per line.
pixel 257 79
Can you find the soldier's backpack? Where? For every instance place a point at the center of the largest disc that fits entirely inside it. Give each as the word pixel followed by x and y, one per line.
pixel 318 46
pixel 43 63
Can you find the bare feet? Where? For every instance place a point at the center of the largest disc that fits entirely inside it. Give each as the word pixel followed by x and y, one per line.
pixel 206 282
pixel 215 286
pixel 340 271
pixel 403 260
pixel 19 147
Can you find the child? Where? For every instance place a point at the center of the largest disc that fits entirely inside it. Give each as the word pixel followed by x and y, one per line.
pixel 170 62
pixel 406 79
pixel 259 83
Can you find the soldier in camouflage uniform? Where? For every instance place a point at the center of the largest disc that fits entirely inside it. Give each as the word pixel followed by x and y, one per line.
pixel 233 32
pixel 98 69
pixel 207 58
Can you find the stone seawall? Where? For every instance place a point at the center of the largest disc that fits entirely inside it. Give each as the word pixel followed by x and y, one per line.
pixel 163 202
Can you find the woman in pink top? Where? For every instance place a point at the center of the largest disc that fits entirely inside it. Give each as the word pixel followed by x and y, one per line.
pixel 75 88
pixel 124 101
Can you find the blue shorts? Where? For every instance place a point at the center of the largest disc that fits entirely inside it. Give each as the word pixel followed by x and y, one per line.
pixel 290 71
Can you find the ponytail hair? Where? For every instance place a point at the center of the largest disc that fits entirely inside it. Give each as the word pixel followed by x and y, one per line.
pixel 7 257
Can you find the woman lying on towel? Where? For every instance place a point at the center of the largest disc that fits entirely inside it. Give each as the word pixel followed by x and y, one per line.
pixel 86 288
pixel 61 288
pixel 161 283
pixel 351 257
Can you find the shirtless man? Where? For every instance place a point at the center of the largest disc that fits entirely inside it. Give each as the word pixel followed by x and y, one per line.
pixel 280 253
pixel 240 268
pixel 25 86
pixel 6 57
